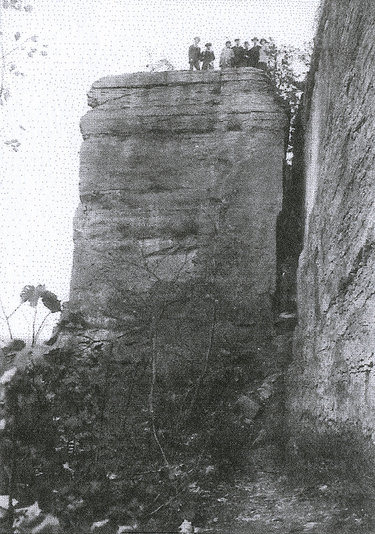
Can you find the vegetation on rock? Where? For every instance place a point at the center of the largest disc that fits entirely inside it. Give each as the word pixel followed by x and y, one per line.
pixel 288 67
pixel 34 296
pixel 90 436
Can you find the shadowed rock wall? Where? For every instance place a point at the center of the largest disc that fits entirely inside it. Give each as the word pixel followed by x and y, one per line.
pixel 181 180
pixel 332 378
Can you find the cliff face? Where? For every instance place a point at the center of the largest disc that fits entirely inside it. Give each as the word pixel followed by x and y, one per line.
pixel 332 384
pixel 181 181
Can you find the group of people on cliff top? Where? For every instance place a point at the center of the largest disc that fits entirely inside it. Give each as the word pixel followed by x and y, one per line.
pixel 231 56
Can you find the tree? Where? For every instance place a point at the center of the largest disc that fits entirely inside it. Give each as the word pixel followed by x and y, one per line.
pixel 14 47
pixel 288 67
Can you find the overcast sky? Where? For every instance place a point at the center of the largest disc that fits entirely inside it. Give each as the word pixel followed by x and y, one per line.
pixel 88 39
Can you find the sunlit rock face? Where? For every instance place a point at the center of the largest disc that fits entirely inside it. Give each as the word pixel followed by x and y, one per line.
pixel 333 377
pixel 180 187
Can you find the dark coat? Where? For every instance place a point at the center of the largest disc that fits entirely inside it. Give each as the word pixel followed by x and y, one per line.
pixel 253 56
pixel 207 58
pixel 238 52
pixel 245 59
pixel 194 53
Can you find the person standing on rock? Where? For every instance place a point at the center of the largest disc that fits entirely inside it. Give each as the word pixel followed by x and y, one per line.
pixel 207 57
pixel 263 55
pixel 246 52
pixel 227 56
pixel 253 56
pixel 195 54
pixel 238 54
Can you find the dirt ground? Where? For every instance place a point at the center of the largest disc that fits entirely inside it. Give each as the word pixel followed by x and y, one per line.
pixel 270 503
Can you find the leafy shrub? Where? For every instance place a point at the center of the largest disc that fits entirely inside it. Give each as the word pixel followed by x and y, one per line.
pixel 80 437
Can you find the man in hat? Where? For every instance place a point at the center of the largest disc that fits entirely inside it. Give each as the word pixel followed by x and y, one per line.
pixel 207 57
pixel 195 54
pixel 227 56
pixel 238 54
pixel 253 55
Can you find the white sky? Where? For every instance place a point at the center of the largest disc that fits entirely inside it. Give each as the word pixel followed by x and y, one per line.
pixel 88 39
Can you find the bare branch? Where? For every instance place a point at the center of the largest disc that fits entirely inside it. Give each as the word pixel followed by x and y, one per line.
pixel 6 317
pixel 153 381
pixel 5 54
pixel 2 70
pixel 41 325
pixel 33 339
pixel 207 356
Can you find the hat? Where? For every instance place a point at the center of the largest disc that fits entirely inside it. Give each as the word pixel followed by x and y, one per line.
pixel 208 44
pixel 263 41
pixel 255 39
pixel 227 42
pixel 237 40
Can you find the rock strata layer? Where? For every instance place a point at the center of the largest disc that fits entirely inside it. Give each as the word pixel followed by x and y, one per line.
pixel 180 183
pixel 333 378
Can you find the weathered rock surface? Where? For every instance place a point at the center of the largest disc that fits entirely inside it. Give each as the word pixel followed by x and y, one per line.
pixel 181 179
pixel 332 378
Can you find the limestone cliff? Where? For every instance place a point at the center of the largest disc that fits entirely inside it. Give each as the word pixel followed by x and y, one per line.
pixel 332 378
pixel 181 180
